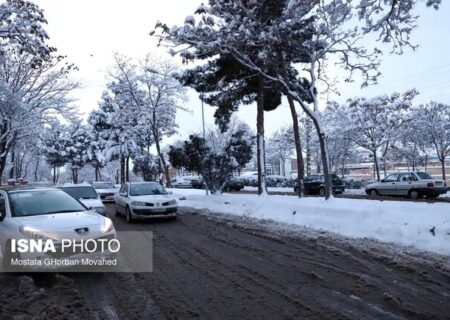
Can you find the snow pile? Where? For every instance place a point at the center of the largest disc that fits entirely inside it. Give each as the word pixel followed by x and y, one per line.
pixel 422 225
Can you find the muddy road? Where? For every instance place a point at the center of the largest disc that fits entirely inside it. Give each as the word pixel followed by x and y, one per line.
pixel 219 267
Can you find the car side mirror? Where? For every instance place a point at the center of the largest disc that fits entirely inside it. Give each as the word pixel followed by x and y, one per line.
pixel 383 180
pixel 169 192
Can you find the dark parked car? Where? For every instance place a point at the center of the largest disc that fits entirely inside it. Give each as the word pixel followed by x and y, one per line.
pixel 233 184
pixel 315 184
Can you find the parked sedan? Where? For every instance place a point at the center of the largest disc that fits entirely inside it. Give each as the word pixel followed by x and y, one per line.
pixel 410 184
pixel 46 214
pixel 181 182
pixel 140 200
pixel 315 184
pixel 106 190
pixel 87 195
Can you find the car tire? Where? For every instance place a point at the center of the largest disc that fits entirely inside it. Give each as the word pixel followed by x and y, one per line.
pixel 373 193
pixel 322 192
pixel 414 194
pixel 129 216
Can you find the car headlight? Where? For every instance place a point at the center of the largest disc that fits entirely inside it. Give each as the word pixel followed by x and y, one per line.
pixel 32 233
pixel 172 202
pixel 107 225
pixel 138 203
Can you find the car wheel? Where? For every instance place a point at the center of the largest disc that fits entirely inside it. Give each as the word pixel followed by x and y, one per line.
pixel 373 193
pixel 414 194
pixel 322 192
pixel 296 189
pixel 129 215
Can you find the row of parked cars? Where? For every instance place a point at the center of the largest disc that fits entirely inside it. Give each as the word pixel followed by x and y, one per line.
pixel 74 210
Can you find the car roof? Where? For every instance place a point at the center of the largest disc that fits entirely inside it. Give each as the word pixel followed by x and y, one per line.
pixel 26 188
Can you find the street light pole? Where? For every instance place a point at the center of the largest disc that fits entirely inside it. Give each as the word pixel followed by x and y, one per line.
pixel 204 133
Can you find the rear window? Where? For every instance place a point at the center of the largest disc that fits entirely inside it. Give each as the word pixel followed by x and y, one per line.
pixel 81 192
pixel 103 185
pixel 424 175
pixel 41 202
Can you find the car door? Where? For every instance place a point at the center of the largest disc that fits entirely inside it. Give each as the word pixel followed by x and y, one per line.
pixel 388 186
pixel 404 184
pixel 121 199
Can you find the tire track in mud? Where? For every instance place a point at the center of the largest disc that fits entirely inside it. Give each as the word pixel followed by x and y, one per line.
pixel 210 267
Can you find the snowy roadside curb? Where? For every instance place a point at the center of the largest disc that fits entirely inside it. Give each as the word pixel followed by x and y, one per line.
pixel 421 225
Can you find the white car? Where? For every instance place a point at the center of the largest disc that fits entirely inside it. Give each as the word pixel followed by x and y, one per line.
pixel 46 214
pixel 409 184
pixel 140 200
pixel 181 182
pixel 106 190
pixel 87 195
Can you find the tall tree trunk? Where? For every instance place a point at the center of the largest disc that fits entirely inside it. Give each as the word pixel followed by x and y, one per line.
pixel 377 168
pixel 163 162
pixel 325 163
pixel 127 169
pixel 443 167
pixel 98 175
pixel 298 147
pixel 54 174
pixel 36 168
pixel 12 171
pixel 122 169
pixel 260 152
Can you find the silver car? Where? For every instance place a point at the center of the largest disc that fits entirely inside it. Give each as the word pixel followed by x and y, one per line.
pixel 409 184
pixel 140 200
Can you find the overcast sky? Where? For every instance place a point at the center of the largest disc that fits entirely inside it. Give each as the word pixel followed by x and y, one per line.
pixel 89 32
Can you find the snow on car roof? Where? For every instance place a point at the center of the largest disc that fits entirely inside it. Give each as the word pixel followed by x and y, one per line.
pixel 83 184
pixel 26 188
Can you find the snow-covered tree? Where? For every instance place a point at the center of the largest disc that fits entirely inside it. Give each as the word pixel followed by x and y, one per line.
pixel 292 32
pixel 116 123
pixel 434 120
pixel 372 124
pixel 280 146
pixel 194 155
pixel 238 141
pixel 54 141
pixel 146 165
pixel 21 26
pixel 76 147
pixel 31 96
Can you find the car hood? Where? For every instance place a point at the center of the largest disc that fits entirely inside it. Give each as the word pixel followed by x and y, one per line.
pixel 153 198
pixel 92 203
pixel 63 222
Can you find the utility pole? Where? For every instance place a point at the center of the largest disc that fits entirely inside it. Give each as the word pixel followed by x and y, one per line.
pixel 204 133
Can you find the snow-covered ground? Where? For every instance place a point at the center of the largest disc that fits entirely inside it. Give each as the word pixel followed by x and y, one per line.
pixel 422 225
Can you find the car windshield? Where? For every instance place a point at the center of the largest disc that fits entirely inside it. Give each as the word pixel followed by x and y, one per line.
pixel 40 202
pixel 103 185
pixel 144 189
pixel 424 175
pixel 81 192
